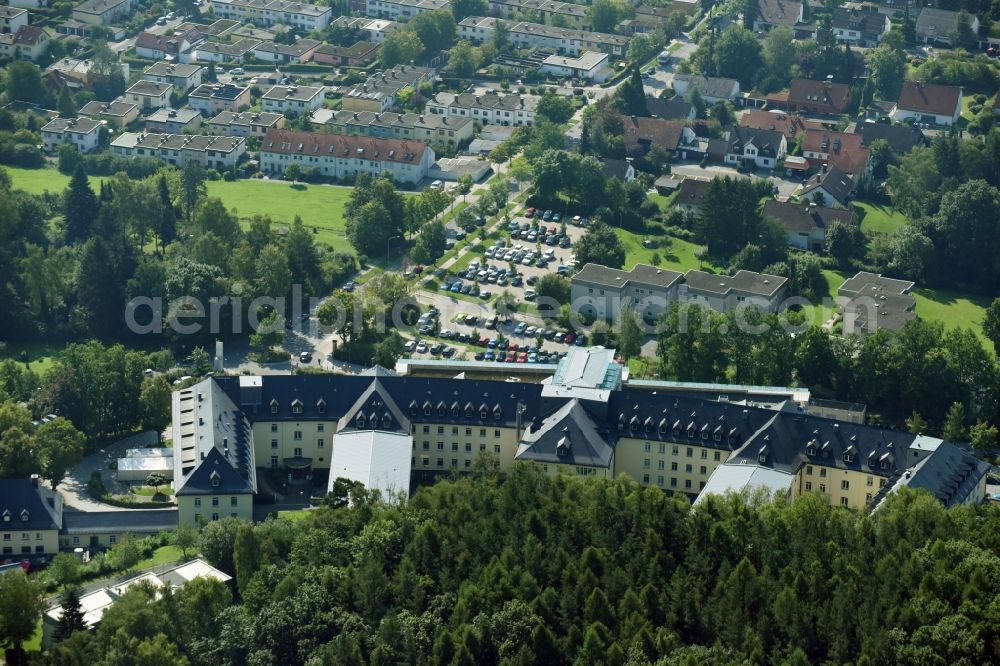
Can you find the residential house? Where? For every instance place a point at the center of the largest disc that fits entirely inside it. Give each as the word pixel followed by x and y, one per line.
pixel 570 15
pixel 938 26
pixel 837 149
pixel 30 42
pixel 211 98
pixel 117 113
pixel 299 99
pixel 301 15
pixel 791 125
pixel 30 519
pixel 101 530
pixel 83 133
pixel 228 123
pixel 378 92
pixel 176 47
pixel 830 187
pixel 764 148
pixel 372 30
pixel 589 66
pixel 302 50
pixel 430 128
pixel 358 54
pixel 928 103
pixel 102 12
pixel 182 77
pixel 149 95
pixel 817 97
pixel 675 108
pixel 724 293
pixel 901 138
pixel 864 25
pixel 224 52
pixel 691 194
pixel 173 121
pixel 489 109
pixel 212 152
pixel 870 301
pixel 341 156
pixel 772 13
pixel 603 293
pixel 402 10
pixel 641 134
pixel 620 169
pixel 527 35
pixel 12 19
pixel 806 224
pixel 712 89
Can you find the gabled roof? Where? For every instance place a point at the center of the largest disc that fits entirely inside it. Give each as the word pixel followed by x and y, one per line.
pixel 807 92
pixel 844 150
pixel 937 23
pixel 835 182
pixel 950 473
pixel 932 98
pixel 652 132
pixel 290 142
pixel 614 278
pixel 710 86
pixel 614 168
pixel 569 436
pixel 779 12
pixel 375 410
pixel 767 142
pixel 797 217
pixel 788 124
pixel 744 282
pixel 867 20
pixel 901 138
pixel 675 108
pixel 692 191
pixel 26 504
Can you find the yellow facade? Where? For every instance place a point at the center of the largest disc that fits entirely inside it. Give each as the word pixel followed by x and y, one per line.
pixel 14 545
pixel 273 441
pixel 439 448
pixel 196 509
pixel 95 540
pixel 676 467
pixel 849 488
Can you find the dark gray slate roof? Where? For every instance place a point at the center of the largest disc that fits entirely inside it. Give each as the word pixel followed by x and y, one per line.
pixel 951 474
pixel 901 138
pixel 568 436
pixel 805 217
pixel 127 520
pixel 27 506
pixel 839 185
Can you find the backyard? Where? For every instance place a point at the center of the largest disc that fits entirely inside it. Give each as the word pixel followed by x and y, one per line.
pixel 878 218
pixel 679 255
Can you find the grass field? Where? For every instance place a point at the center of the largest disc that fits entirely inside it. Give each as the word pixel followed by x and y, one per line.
pixel 40 355
pixel 953 309
pixel 297 515
pixel 679 256
pixel 37 181
pixel 878 218
pixel 321 207
pixel 161 555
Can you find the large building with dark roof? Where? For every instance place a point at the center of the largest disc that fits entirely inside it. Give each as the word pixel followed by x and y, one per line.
pixel 390 431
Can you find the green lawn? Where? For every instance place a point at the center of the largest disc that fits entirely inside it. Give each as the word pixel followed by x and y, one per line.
pixel 878 218
pixel 295 516
pixel 952 308
pixel 36 181
pixel 678 256
pixel 321 207
pixel 161 555
pixel 40 355
pixel 663 202
pixel 34 643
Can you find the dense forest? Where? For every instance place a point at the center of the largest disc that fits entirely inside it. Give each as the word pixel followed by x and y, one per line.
pixel 539 570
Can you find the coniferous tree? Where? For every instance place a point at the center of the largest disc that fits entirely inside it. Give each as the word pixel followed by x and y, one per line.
pixel 66 105
pixel 81 207
pixel 71 619
pixel 166 230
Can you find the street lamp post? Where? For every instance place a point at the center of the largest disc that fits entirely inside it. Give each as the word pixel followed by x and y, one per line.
pixel 389 240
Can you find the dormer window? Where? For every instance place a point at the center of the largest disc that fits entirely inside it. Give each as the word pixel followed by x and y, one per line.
pixel 455 411
pixel 427 410
pixel 810 450
pixel 441 409
pixel 297 407
pixel 6 516
pixel 386 420
pixel 634 425
pixel 482 414
pixel 214 476
pixel 360 421
pixel 413 408
pixel 274 406
pixel 24 516
pixel 497 414
pixel 321 406
pixel 690 431
pixel 884 464
pixel 848 458
pixel 468 412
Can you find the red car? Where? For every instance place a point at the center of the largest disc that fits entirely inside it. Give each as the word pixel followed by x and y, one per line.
pixel 483 342
pixel 511 356
pixel 513 347
pixel 522 357
pixel 570 337
pixel 530 212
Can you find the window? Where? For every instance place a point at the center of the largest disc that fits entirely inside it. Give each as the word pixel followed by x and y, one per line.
pixel 809 486
pixel 482 447
pixel 427 430
pixel 496 433
pixel 197 501
pixel 848 458
pixel 646 447
pixel 482 432
pixel 215 501
pixel 659 480
pixel 704 470
pixel 704 454
pixel 690 452
pixel 197 517
pixel 688 468
pixel 822 472
pixel 809 470
pixel 113 539
pixel 468 447
pixel 215 516
pixel 440 462
pixel 274 462
pixel 454 431
pixel 440 446
pixel 845 485
pixel 660 464
pixel 868 498
pixel 274 443
pixel 425 461
pixel 319 443
pixel 673 467
pixel 673 482
pixel 718 456
pixel 233 501
pixel 843 501
pixel 645 463
pixel 687 483
pixel 454 446
pixel 645 478
pixel 663 448
pixel 297 436
pixel 7 550
pixel 496 449
pixel 822 487
pixel 468 432
pixel 76 541
pixel 676 451
pixel 274 427
pixel 320 427
pixel 440 430
pixel 868 481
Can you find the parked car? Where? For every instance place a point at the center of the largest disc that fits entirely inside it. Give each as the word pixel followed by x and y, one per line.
pixel 530 212
pixel 421 347
pixel 410 346
pixel 520 328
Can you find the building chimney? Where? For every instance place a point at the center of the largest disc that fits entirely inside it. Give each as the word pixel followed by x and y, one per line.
pixel 34 480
